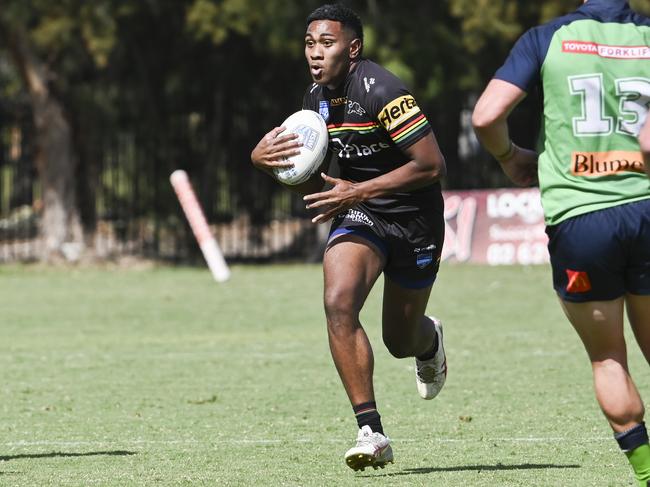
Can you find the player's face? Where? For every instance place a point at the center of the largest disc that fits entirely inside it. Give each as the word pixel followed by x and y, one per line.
pixel 329 50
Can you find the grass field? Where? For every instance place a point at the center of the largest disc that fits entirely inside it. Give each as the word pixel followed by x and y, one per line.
pixel 159 376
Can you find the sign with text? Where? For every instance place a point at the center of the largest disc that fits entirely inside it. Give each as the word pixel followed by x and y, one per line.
pixel 495 227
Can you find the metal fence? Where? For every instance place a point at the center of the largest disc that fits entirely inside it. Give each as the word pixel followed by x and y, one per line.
pixel 129 208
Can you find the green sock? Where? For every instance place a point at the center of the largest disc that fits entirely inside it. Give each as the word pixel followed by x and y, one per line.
pixel 640 460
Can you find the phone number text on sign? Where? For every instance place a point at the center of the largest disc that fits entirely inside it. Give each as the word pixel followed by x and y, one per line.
pixel 509 253
pixel 495 227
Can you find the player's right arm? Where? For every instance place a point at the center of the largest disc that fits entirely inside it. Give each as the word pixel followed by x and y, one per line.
pixel 490 121
pixel 644 143
pixel 273 150
pixel 506 90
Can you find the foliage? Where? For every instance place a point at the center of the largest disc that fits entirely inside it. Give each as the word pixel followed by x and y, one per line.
pixel 195 83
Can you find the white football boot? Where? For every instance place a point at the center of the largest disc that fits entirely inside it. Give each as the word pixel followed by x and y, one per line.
pixel 430 375
pixel 372 450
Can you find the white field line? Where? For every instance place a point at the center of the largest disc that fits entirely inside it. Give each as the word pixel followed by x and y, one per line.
pixel 268 441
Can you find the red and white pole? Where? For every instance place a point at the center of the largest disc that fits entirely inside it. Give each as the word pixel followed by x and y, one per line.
pixel 194 214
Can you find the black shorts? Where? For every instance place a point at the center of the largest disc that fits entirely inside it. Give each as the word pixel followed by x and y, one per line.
pixel 411 242
pixel 602 255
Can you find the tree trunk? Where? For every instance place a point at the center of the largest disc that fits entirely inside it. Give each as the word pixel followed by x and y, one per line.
pixel 60 227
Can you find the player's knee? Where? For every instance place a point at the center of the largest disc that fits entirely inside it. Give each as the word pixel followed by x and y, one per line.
pixel 397 347
pixel 399 351
pixel 340 309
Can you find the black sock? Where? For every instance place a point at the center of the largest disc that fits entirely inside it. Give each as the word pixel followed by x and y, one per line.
pixel 432 352
pixel 632 438
pixel 367 415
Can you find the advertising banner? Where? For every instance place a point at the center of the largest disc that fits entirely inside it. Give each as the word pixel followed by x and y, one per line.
pixel 495 227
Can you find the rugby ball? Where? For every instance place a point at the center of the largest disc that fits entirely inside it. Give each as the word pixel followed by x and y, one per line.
pixel 312 134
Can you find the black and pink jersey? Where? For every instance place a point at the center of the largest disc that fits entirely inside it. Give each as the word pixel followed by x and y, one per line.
pixel 371 119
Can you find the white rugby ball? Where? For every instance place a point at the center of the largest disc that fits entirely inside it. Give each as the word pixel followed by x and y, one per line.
pixel 312 134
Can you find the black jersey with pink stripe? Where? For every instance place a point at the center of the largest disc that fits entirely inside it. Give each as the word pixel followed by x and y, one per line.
pixel 371 119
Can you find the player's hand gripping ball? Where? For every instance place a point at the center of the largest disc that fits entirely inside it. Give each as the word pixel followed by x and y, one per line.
pixel 312 134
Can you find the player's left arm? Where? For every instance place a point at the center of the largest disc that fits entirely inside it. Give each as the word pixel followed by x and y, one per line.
pixel 391 105
pixel 490 121
pixel 644 143
pixel 427 165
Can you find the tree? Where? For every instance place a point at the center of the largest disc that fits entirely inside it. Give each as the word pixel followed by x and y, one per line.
pixel 36 34
pixel 122 92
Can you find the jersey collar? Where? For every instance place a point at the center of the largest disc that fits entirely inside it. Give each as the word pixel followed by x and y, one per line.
pixel 592 5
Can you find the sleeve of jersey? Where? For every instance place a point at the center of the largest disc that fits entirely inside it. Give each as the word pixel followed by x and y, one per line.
pixel 523 64
pixel 400 115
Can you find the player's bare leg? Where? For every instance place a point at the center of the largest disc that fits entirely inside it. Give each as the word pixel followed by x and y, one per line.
pixel 351 266
pixel 638 312
pixel 407 332
pixel 600 327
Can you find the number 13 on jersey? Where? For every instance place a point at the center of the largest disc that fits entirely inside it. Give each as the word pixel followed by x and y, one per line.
pixel 633 95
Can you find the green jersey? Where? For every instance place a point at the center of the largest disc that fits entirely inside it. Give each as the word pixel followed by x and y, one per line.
pixel 594 69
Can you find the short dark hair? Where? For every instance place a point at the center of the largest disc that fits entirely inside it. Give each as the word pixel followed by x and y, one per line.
pixel 339 13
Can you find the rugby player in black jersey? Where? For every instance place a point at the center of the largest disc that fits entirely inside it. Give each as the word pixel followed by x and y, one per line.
pixel 387 212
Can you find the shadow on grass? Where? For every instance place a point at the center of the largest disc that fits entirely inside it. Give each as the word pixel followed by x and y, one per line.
pixel 4 458
pixel 464 468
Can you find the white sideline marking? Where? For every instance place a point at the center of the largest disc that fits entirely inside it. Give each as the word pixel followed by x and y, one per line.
pixel 263 441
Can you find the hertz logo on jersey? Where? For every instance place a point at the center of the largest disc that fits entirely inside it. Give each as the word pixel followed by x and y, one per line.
pixel 398 111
